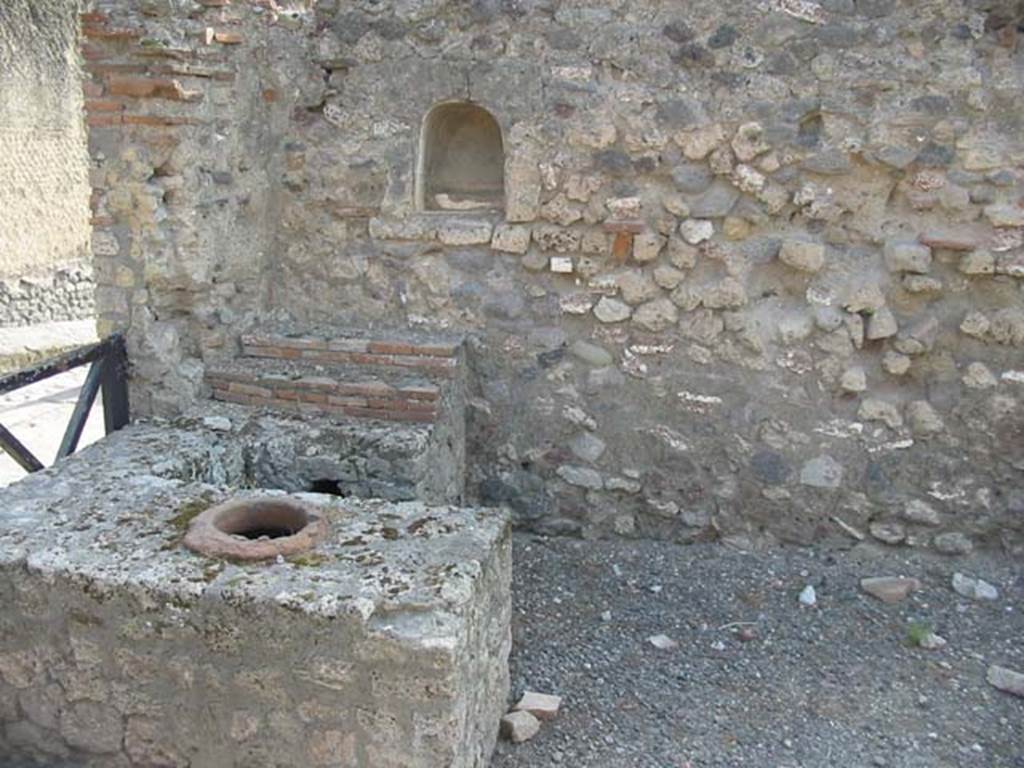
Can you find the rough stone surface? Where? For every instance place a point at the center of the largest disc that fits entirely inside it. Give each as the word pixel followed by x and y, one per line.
pixel 889 589
pixel 975 589
pixel 1005 679
pixel 385 645
pixel 822 472
pixel 888 532
pixel 543 706
pixel 803 255
pixel 609 310
pixel 918 511
pixel 908 257
pixel 65 293
pixel 854 380
pixel 873 409
pixel 953 543
pixel 519 726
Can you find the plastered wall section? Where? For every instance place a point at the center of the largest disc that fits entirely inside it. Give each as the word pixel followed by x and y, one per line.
pixel 44 192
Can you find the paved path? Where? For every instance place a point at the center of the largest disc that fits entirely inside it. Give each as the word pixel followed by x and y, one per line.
pixel 18 344
pixel 38 414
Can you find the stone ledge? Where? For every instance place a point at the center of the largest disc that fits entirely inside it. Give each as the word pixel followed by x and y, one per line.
pixel 436 358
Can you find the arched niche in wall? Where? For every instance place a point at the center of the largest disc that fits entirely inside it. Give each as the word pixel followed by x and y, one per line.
pixel 462 160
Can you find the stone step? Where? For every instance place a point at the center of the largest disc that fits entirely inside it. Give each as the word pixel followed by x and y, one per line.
pixel 303 386
pixel 439 358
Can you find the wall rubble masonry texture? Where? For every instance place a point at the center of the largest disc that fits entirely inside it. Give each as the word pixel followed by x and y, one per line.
pixel 44 216
pixel 759 268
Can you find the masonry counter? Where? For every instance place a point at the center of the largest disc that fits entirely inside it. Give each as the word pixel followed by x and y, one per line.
pixel 385 643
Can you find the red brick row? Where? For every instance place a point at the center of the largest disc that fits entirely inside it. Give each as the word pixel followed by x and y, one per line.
pixel 388 410
pixel 247 383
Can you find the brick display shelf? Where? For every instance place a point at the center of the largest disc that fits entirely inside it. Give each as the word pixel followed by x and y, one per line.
pixel 350 377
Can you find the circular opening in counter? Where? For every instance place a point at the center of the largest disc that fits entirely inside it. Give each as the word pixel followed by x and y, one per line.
pixel 255 529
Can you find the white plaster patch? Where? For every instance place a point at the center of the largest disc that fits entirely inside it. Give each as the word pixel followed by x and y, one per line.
pixel 633 366
pixel 821 296
pixel 840 428
pixel 672 439
pixel 575 74
pixel 894 445
pixel 384 129
pixel 561 265
pixel 651 349
pixel 698 403
pixel 579 417
pixel 936 491
pixel 796 361
pixel 576 304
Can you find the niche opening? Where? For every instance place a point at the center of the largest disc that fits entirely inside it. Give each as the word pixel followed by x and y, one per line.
pixel 462 160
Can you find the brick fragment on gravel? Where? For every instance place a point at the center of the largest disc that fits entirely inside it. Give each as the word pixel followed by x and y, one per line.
pixel 519 726
pixel 890 589
pixel 543 706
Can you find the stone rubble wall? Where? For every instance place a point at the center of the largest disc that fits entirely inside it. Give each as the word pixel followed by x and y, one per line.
pixel 44 217
pixel 66 293
pixel 758 273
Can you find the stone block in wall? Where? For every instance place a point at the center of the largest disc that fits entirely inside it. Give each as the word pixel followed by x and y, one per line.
pixel 512 90
pixel 404 228
pixel 455 231
pixel 522 188
pixel 511 239
pixel 907 256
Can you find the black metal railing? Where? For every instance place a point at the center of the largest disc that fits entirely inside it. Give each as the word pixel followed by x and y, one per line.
pixel 107 372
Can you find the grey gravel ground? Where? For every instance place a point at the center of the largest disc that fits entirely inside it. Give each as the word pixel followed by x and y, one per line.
pixel 838 684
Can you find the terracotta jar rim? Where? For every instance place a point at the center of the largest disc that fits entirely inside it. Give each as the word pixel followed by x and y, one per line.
pixel 221 530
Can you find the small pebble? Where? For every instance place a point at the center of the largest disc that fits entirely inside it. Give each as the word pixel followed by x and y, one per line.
pixel 974 589
pixel 932 642
pixel 808 596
